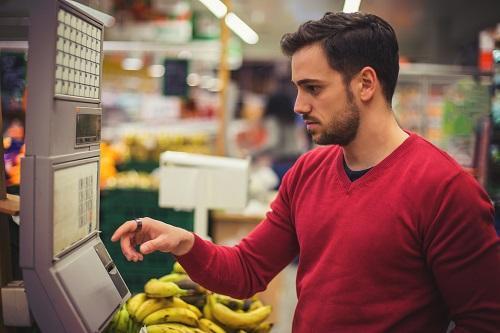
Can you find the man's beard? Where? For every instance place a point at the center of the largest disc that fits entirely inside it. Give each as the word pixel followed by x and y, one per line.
pixel 343 130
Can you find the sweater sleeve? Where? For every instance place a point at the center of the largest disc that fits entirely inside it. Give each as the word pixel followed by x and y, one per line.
pixel 463 252
pixel 242 270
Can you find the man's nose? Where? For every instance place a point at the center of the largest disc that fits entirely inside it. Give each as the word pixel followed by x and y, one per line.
pixel 301 106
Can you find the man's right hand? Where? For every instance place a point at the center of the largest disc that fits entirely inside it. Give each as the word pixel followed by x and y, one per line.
pixel 153 236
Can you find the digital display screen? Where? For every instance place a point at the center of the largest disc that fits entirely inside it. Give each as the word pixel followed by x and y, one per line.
pixel 75 204
pixel 88 128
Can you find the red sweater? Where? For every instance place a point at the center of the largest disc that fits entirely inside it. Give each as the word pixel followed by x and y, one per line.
pixel 406 248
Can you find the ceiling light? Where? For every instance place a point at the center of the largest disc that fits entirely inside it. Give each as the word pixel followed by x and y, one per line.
pixel 132 64
pixel 241 29
pixel 217 7
pixel 351 6
pixel 193 79
pixel 156 70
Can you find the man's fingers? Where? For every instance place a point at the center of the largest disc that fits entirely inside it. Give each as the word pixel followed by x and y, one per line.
pixel 125 228
pixel 128 248
pixel 152 245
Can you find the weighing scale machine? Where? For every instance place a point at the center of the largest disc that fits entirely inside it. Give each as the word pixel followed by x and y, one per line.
pixel 71 282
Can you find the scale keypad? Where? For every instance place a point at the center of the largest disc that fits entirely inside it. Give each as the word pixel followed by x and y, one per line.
pixel 78 57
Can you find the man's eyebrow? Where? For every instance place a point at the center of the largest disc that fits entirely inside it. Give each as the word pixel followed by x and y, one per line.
pixel 306 81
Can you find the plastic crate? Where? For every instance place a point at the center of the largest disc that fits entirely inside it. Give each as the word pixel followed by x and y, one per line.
pixel 120 205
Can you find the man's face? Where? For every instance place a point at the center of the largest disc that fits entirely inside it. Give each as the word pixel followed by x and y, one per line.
pixel 324 102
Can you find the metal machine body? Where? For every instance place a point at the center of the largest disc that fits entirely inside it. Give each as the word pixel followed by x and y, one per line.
pixel 71 281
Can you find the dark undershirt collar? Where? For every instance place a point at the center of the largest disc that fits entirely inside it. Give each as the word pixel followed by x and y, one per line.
pixel 351 174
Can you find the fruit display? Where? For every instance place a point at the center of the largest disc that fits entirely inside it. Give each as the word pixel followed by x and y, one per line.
pixel 148 146
pixel 133 179
pixel 173 303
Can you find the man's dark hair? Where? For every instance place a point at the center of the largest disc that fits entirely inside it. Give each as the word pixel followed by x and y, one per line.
pixel 351 42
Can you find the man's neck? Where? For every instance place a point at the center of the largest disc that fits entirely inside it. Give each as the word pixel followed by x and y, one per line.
pixel 378 136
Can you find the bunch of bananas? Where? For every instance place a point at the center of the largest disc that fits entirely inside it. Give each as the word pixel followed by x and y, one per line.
pixel 175 304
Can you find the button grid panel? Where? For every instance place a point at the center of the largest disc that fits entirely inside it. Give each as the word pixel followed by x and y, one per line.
pixel 78 57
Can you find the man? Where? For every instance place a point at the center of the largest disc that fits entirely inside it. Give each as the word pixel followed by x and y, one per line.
pixel 392 235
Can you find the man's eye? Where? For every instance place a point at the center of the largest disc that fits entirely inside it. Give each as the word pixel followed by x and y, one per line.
pixel 312 89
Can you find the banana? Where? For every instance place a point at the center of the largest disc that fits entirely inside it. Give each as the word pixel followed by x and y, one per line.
pixel 172 328
pixel 197 300
pixel 134 302
pixel 209 326
pixel 255 305
pixel 122 324
pixel 173 277
pixel 157 288
pixel 233 319
pixel 114 320
pixel 264 327
pixel 195 310
pixel 177 268
pixel 207 313
pixel 172 315
pixel 151 305
pixel 187 283
pixel 179 303
pixel 232 303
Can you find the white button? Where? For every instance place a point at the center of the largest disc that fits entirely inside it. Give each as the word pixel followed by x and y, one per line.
pixel 60 15
pixel 60 29
pixel 72 61
pixel 67 18
pixel 72 48
pixel 66 60
pixel 58 72
pixel 64 89
pixel 59 57
pixel 58 86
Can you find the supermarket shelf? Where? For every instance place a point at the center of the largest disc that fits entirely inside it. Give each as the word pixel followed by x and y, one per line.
pixel 177 127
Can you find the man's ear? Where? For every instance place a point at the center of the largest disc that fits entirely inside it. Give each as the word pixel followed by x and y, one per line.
pixel 368 83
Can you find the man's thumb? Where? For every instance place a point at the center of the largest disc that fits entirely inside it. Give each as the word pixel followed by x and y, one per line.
pixel 150 246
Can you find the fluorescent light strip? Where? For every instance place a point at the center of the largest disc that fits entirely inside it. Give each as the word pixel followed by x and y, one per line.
pixel 217 7
pixel 351 6
pixel 241 29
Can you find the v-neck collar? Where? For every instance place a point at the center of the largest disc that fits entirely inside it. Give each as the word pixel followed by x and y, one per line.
pixel 348 185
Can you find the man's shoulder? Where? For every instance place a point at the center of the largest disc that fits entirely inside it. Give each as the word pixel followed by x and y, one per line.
pixel 427 154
